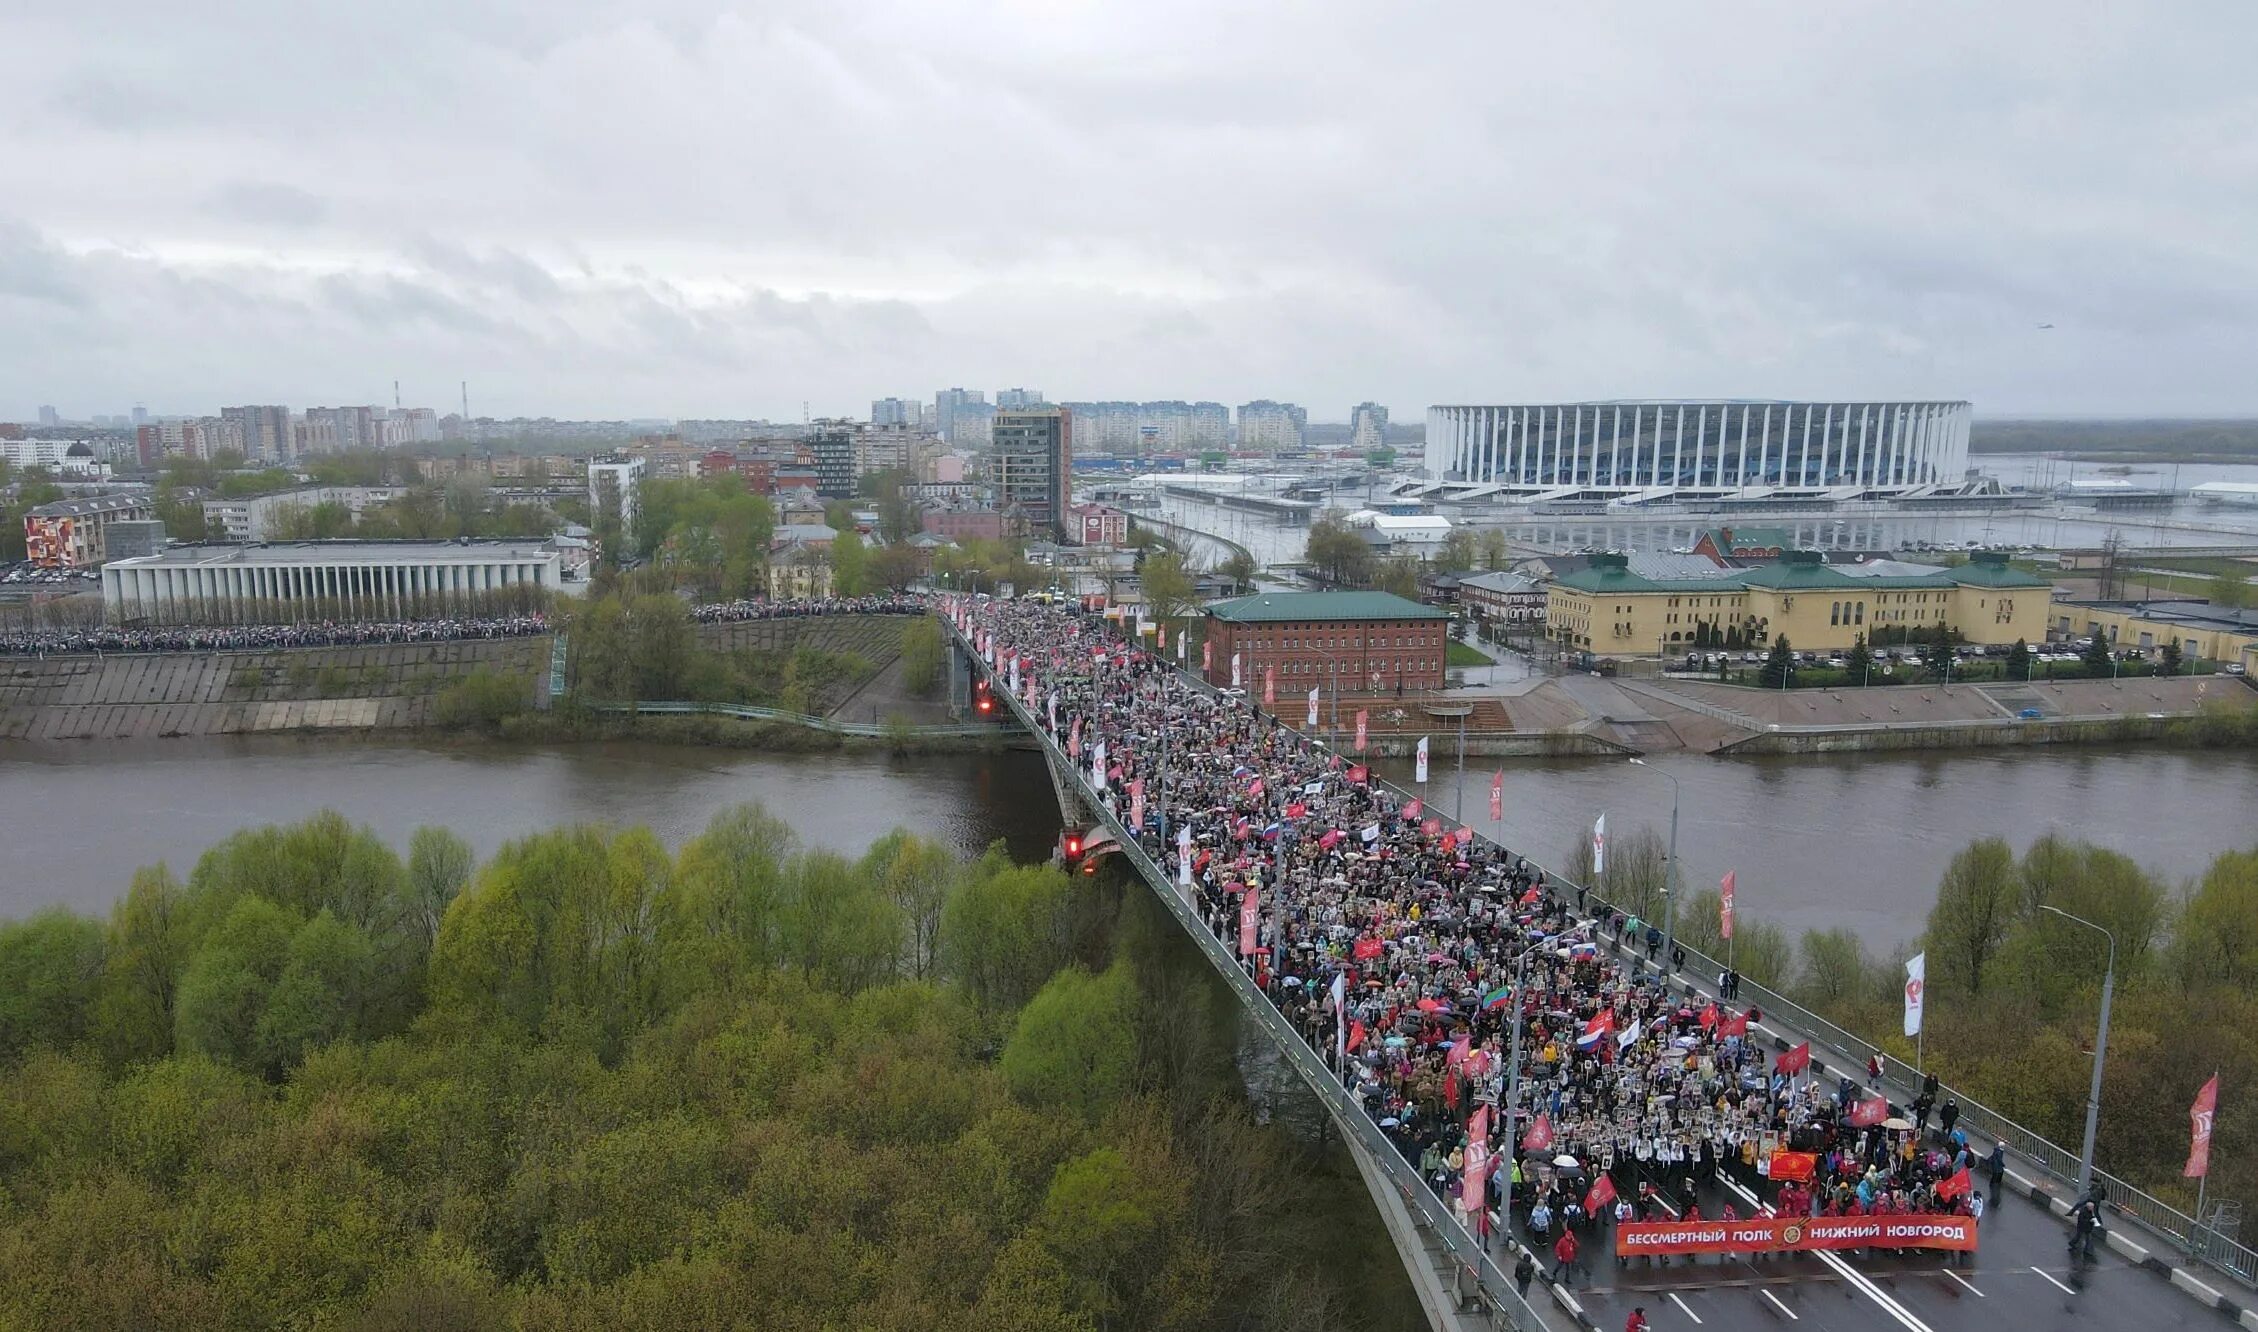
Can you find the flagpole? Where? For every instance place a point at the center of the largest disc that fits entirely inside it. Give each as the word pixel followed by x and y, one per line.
pixel 2202 1182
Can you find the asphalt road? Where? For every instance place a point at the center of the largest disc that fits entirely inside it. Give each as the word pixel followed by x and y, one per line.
pixel 2018 1278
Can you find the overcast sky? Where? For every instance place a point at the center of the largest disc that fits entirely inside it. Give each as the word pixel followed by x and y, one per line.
pixel 677 208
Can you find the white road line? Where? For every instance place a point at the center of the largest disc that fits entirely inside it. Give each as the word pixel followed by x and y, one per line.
pixel 1890 1306
pixel 2057 1285
pixel 1689 1311
pixel 1779 1306
pixel 1964 1281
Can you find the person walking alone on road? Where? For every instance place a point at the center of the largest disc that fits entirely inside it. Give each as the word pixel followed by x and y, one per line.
pixel 1564 1257
pixel 1524 1272
pixel 1874 1070
pixel 1996 1167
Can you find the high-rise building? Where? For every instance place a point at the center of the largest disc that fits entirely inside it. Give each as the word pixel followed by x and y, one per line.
pixel 1271 427
pixel 1368 426
pixel 265 432
pixel 1029 464
pixel 140 416
pixel 1016 399
pixel 615 482
pixel 834 449
pixel 49 417
pixel 897 412
pixel 949 402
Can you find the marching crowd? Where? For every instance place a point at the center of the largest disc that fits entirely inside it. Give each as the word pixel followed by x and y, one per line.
pixel 218 638
pixel 1394 946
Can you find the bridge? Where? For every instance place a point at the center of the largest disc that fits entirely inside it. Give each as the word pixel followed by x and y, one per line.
pixel 1042 665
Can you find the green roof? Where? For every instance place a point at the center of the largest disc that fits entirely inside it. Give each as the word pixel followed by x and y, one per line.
pixel 1276 607
pixel 1614 578
pixel 1801 572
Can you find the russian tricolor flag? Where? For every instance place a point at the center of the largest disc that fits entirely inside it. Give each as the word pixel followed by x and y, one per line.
pixel 1595 1029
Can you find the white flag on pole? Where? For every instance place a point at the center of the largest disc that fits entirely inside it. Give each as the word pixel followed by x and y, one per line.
pixel 1313 707
pixel 1235 670
pixel 1097 766
pixel 1184 853
pixel 1419 765
pixel 1599 844
pixel 1916 981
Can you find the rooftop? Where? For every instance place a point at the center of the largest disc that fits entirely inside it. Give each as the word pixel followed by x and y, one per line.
pixel 1275 607
pixel 341 552
pixel 2197 614
pixel 79 508
pixel 1801 570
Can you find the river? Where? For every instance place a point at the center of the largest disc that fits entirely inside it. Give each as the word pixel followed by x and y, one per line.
pixel 1857 840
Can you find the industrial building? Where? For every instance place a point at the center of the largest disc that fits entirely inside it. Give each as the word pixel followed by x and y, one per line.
pixel 343 580
pixel 1350 642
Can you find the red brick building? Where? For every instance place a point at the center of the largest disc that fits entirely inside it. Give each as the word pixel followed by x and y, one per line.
pixel 1098 525
pixel 1350 642
pixel 1745 543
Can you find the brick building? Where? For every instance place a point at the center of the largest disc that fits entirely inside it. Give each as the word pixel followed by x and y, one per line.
pixel 1353 642
pixel 1098 525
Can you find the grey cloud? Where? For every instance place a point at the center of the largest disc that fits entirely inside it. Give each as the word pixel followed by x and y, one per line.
pixel 266 203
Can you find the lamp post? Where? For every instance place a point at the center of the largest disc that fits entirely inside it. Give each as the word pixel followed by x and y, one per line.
pixel 1669 874
pixel 2100 1049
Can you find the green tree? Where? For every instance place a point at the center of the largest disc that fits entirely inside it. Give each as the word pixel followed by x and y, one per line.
pixel 1496 554
pixel 916 875
pixel 439 865
pixel 2171 656
pixel 1461 550
pixel 2230 590
pixel 1400 576
pixel 724 916
pixel 1779 665
pixel 850 565
pixel 224 992
pixel 321 994
pixel 924 653
pixel 1858 667
pixel 1976 907
pixel 2216 944
pixel 1338 552
pixel 1074 1046
pixel 1004 930
pixel 2019 661
pixel 148 948
pixel 1167 585
pixel 50 966
pixel 1834 968
pixel 1240 568
pixel 2099 662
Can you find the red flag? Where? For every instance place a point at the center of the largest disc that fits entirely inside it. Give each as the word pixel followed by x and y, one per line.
pixel 1459 1050
pixel 1431 827
pixel 1411 811
pixel 1250 919
pixel 1868 1112
pixel 1958 1184
pixel 1358 774
pixel 1465 837
pixel 1725 906
pixel 1736 1025
pixel 1477 1175
pixel 2199 1115
pixel 1601 1193
pixel 1269 685
pixel 1366 950
pixel 1539 1135
pixel 1795 1061
pixel 1708 1016
pixel 1356 1034
pixel 1497 796
pixel 1296 809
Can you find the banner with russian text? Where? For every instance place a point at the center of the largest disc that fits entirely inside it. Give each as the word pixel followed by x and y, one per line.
pixel 1795 1234
pixel 1250 919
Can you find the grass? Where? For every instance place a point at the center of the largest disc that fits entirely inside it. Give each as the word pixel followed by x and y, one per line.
pixel 2210 566
pixel 1465 654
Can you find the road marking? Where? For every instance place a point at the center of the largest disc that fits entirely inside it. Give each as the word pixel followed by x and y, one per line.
pixel 1964 1281
pixel 2057 1285
pixel 1689 1311
pixel 1779 1306
pixel 1903 1315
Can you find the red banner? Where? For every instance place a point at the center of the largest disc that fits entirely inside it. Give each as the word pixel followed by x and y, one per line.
pixel 1792 1165
pixel 1250 919
pixel 1360 719
pixel 1779 1234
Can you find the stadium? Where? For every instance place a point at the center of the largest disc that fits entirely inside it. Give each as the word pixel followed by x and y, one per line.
pixel 1631 452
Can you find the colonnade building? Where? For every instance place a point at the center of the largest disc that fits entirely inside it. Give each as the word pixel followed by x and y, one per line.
pixel 1661 447
pixel 331 580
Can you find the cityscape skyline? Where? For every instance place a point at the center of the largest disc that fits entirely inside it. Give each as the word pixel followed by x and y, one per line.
pixel 598 212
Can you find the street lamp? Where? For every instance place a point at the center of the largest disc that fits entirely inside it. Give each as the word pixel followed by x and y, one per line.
pixel 2100 1049
pixel 1669 871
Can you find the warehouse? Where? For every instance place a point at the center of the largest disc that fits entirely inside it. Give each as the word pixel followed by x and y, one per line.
pixel 332 580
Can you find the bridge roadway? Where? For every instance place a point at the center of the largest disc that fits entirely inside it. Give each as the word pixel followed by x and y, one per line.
pixel 2020 1272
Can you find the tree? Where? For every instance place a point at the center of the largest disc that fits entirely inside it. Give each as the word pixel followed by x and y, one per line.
pixel 1338 552
pixel 1834 967
pixel 1003 931
pixel 1461 550
pixel 2171 656
pixel 850 565
pixel 1168 587
pixel 915 875
pixel 1073 1047
pixel 1976 907
pixel 439 864
pixel 1858 667
pixel 1496 554
pixel 1400 576
pixel 50 966
pixel 1779 665
pixel 2216 944
pixel 1240 568
pixel 2019 661
pixel 923 653
pixel 320 995
pixel 2099 662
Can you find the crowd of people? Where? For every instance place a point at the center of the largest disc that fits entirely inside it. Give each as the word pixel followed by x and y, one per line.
pixel 327 633
pixel 1406 952
pixel 233 637
pixel 883 603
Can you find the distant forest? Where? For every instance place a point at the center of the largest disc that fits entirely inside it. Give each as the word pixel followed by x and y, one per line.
pixel 2181 441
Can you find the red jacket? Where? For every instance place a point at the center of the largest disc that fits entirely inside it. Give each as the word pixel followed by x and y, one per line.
pixel 1565 1247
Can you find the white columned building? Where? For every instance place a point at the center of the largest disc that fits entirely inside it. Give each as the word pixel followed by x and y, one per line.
pixel 360 580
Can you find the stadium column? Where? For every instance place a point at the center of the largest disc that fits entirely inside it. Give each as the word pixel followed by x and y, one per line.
pixel 1740 465
pixel 1615 451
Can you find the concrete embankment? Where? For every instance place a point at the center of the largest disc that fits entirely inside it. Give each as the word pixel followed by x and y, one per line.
pixel 227 693
pixel 385 687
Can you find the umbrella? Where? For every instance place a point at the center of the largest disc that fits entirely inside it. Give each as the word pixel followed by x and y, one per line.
pixel 1683 1042
pixel 1389 1122
pixel 1565 1162
pixel 1895 1123
pixel 1429 1005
